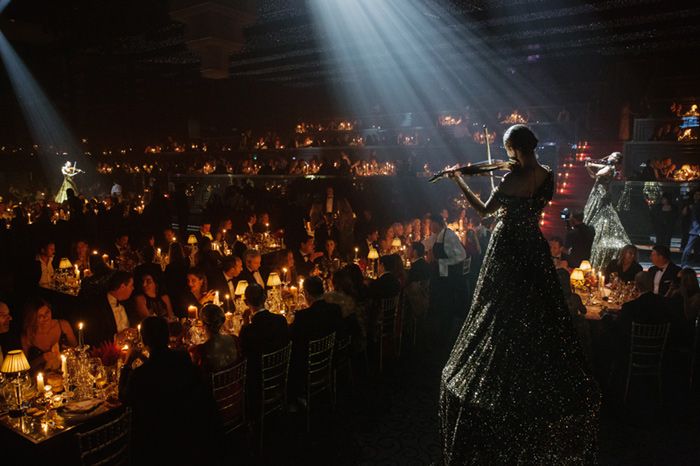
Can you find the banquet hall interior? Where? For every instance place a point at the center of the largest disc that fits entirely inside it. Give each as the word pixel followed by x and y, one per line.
pixel 223 223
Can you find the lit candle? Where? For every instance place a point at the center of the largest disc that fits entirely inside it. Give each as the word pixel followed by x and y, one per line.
pixel 227 297
pixel 80 334
pixel 158 251
pixel 192 312
pixel 40 382
pixel 77 272
pixel 356 251
pixel 216 298
pixel 64 366
pixel 301 283
pixel 138 329
pixel 105 258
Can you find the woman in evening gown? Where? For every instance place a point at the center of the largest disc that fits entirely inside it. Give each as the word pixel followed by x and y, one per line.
pixel 600 213
pixel 69 170
pixel 515 389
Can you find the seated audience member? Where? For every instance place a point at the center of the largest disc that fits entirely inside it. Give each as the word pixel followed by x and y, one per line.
pixel 556 249
pixel 206 258
pixel 648 308
pixel 45 264
pixel 82 257
pixel 43 337
pixel 306 256
pixel 579 240
pixel 264 333
pixel 173 413
pixel 150 301
pixel 345 296
pixel 252 272
pixel 684 306
pixel 387 285
pixel 219 351
pixel 8 339
pixel 625 266
pixel 420 270
pixel 287 268
pixel 330 261
pixel 371 241
pixel 107 316
pixel 176 277
pixel 198 292
pixel 225 280
pixel 664 272
pixel 317 321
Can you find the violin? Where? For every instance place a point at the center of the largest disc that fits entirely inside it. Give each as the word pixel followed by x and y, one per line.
pixel 473 169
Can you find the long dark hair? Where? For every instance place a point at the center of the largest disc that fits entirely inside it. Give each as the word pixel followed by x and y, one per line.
pixel 623 251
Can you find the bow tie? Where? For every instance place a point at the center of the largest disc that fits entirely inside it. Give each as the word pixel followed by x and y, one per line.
pixel 230 280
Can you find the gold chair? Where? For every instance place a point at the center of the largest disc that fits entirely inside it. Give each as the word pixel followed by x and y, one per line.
pixel 647 345
pixel 319 375
pixel 228 389
pixel 388 325
pixel 107 444
pixel 342 361
pixel 275 374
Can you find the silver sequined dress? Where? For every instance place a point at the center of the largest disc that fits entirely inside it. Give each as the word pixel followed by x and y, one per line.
pixel 514 390
pixel 600 213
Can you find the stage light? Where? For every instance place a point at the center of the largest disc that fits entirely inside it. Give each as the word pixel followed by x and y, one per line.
pixel 3 4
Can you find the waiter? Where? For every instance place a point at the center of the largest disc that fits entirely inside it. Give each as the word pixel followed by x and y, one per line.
pixel 449 290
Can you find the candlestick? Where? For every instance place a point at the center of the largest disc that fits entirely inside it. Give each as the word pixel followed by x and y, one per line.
pixel 216 299
pixel 77 272
pixel 227 297
pixel 192 312
pixel 356 251
pixel 40 382
pixel 138 329
pixel 80 334
pixel 64 368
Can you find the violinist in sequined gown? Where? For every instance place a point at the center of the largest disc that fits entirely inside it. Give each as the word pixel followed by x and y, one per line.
pixel 600 213
pixel 515 389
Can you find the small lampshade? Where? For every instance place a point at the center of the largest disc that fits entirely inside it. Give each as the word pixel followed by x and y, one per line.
pixel 65 264
pixel 577 276
pixel 274 279
pixel 585 266
pixel 240 287
pixel 192 240
pixel 396 243
pixel 15 362
pixel 373 254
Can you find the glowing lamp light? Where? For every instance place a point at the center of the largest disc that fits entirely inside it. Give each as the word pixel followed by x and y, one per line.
pixel 65 264
pixel 585 266
pixel 274 280
pixel 192 240
pixel 396 243
pixel 241 287
pixel 373 254
pixel 15 362
pixel 577 278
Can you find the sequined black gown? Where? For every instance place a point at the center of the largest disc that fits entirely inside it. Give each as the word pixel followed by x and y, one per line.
pixel 514 390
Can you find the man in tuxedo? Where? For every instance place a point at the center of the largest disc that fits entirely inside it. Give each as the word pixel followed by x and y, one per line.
pixel 264 332
pixel 556 249
pixel 664 271
pixel 317 321
pixel 252 272
pixel 45 264
pixel 107 316
pixel 579 240
pixel 387 285
pixel 164 380
pixel 225 280
pixel 420 270
pixel 306 256
pixel 204 232
pixel 249 226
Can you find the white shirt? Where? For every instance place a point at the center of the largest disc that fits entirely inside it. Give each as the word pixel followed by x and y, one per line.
pixel 657 278
pixel 453 248
pixel 231 285
pixel 119 312
pixel 46 279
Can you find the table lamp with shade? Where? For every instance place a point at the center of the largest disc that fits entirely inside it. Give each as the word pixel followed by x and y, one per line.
pixel 274 282
pixel 373 256
pixel 192 240
pixel 585 267
pixel 239 292
pixel 396 243
pixel 14 364
pixel 577 278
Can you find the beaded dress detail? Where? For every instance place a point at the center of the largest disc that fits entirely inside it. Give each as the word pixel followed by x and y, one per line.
pixel 514 389
pixel 599 213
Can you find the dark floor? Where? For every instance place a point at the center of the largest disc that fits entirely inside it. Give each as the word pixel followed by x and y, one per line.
pixel 392 420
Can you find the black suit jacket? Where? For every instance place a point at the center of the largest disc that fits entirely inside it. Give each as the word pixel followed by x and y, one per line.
pixel 303 268
pixel 217 281
pixel 670 276
pixel 386 286
pixel 100 325
pixel 646 309
pixel 247 275
pixel 580 240
pixel 321 234
pixel 420 271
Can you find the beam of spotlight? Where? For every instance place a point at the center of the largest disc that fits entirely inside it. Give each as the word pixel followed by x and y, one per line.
pixel 3 4
pixel 45 124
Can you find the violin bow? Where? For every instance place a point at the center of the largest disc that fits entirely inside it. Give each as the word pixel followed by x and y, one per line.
pixel 488 155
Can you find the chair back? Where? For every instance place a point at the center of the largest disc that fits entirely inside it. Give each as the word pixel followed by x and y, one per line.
pixel 341 352
pixel 275 372
pixel 228 389
pixel 647 344
pixel 107 444
pixel 319 374
pixel 388 316
pixel 417 297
